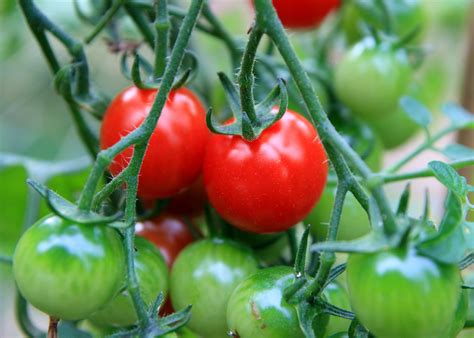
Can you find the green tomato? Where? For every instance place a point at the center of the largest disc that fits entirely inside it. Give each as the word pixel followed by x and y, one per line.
pixel 371 78
pixel 257 307
pixel 398 293
pixel 460 316
pixel 204 275
pixel 354 220
pixel 336 295
pixel 407 15
pixel 69 270
pixel 152 275
pixel 397 128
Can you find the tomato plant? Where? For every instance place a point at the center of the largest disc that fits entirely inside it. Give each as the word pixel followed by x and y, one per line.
pixel 169 233
pixel 269 184
pixel 337 295
pixel 204 275
pixel 152 274
pixel 257 307
pixel 401 293
pixel 175 153
pixel 354 219
pixel 68 270
pixel 371 78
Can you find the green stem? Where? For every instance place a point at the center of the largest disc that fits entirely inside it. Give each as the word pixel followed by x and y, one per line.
pixel 23 320
pixel 389 178
pixel 141 22
pixel 246 77
pixel 327 258
pixel 6 259
pixel 109 188
pixel 267 19
pixel 422 147
pixel 39 24
pixel 223 34
pixel 162 26
pixel 104 21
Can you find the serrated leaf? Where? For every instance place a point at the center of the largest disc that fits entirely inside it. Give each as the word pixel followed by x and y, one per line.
pixel 449 177
pixel 457 152
pixel 448 245
pixel 372 242
pixel 68 210
pixel 458 115
pixel 416 111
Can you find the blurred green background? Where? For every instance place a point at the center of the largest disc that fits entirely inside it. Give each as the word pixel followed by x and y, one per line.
pixel 37 132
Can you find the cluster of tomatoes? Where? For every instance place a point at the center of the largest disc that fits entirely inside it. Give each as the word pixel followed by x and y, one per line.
pixel 260 188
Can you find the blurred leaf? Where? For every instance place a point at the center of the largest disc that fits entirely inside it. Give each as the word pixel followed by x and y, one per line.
pixel 372 242
pixel 460 117
pixel 449 178
pixel 457 152
pixel 416 111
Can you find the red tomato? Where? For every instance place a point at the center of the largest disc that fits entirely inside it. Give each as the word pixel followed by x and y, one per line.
pixel 174 156
pixel 189 202
pixel 169 233
pixel 303 14
pixel 269 184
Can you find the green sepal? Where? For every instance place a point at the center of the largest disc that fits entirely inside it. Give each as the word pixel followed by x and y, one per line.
pixel 404 201
pixel 307 313
pixel 300 261
pixel 136 74
pixel 190 71
pixel 356 330
pixel 70 211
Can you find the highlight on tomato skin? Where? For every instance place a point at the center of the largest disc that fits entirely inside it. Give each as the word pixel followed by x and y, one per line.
pixel 270 184
pixel 173 159
pixel 303 14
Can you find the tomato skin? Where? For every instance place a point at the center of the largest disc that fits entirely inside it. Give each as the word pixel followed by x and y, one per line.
pixel 190 202
pixel 169 233
pixel 354 221
pixel 370 79
pixel 175 152
pixel 204 275
pixel 303 14
pixel 398 293
pixel 269 184
pixel 257 307
pixel 152 275
pixel 69 270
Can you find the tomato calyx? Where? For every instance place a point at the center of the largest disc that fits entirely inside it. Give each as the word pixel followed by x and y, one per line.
pixel 140 65
pixel 241 124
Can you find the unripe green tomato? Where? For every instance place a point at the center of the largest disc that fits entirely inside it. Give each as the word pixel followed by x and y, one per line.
pixel 354 221
pixel 399 293
pixel 407 15
pixel 336 295
pixel 371 78
pixel 460 316
pixel 397 128
pixel 257 307
pixel 69 270
pixel 204 275
pixel 152 275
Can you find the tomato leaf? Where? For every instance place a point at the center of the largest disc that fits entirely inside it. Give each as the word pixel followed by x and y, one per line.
pixel 416 111
pixel 68 210
pixel 460 117
pixel 372 242
pixel 448 244
pixel 449 178
pixel 457 152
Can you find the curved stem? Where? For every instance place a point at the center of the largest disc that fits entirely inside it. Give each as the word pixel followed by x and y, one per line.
pixel 141 22
pixel 267 19
pixel 422 147
pixel 104 21
pixel 246 77
pixel 390 178
pixel 162 26
pixel 24 321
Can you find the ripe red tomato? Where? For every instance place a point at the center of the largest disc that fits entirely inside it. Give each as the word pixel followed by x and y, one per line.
pixel 174 156
pixel 189 202
pixel 169 233
pixel 303 14
pixel 269 184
